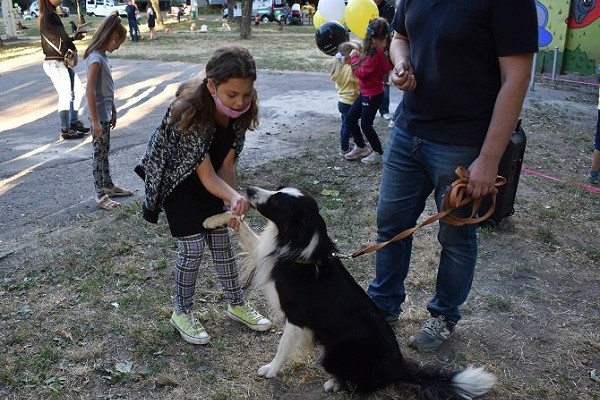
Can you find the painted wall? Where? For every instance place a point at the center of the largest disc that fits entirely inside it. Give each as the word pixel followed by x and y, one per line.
pixel 572 26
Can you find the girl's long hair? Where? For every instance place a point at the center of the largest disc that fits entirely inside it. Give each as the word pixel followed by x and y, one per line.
pixel 344 49
pixel 377 29
pixel 195 104
pixel 46 8
pixel 110 26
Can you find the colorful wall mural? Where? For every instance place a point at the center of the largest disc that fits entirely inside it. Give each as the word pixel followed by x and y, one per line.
pixel 572 27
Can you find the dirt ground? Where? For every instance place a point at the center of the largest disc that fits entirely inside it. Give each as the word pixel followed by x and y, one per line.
pixel 532 318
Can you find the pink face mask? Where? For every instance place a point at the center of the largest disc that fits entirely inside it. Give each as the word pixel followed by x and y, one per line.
pixel 230 112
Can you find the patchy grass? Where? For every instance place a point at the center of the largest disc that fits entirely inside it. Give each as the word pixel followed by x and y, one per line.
pixel 89 318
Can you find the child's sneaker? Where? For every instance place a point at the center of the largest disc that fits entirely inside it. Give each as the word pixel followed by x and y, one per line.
pixel 248 316
pixel 190 329
pixel 373 158
pixel 357 152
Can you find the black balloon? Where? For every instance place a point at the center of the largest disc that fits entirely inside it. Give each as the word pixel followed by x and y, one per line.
pixel 330 35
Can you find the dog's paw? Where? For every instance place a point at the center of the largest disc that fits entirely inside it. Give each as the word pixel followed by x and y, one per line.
pixel 267 371
pixel 217 220
pixel 332 386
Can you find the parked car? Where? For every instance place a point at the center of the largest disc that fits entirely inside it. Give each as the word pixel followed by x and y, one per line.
pixel 34 10
pixel 265 9
pixel 103 8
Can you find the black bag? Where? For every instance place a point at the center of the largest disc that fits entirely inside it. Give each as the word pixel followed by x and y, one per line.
pixel 510 168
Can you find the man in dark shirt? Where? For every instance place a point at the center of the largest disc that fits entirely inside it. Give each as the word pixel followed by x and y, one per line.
pixel 134 30
pixel 464 79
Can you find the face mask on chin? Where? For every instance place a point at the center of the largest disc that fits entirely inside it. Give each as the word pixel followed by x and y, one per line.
pixel 230 112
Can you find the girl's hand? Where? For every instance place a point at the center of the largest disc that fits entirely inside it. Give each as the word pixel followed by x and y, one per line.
pixel 239 204
pixel 96 129
pixel 234 223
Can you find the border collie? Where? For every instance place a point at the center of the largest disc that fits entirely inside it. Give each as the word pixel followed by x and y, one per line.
pixel 292 261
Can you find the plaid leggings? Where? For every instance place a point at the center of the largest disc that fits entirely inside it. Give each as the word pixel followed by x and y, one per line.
pixel 189 255
pixel 100 165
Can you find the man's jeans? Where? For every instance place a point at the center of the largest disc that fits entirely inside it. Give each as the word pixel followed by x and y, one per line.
pixel 412 169
pixel 134 30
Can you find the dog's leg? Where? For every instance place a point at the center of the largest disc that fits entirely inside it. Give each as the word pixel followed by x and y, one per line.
pixel 217 220
pixel 248 238
pixel 291 345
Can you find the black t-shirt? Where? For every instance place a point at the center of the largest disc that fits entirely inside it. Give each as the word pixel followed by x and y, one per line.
pixel 454 50
pixel 191 203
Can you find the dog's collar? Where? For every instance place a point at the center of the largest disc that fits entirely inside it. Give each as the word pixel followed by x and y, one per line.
pixel 303 261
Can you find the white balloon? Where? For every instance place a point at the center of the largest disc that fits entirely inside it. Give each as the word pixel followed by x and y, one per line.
pixel 332 10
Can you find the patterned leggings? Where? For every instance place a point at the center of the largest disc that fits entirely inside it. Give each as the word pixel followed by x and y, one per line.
pixel 100 167
pixel 189 255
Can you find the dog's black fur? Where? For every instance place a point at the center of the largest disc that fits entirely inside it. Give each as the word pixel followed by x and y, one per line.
pixel 294 262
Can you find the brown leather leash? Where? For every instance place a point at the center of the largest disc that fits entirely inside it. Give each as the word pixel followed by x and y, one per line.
pixel 453 199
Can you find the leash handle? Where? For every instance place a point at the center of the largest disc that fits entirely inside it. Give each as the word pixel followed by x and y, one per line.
pixel 454 199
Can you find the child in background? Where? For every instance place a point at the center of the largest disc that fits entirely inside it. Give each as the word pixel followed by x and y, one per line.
pixel 100 95
pixel 151 22
pixel 346 85
pixel 370 67
pixel 190 172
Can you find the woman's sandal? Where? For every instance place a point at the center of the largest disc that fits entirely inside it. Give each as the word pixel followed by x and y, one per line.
pixel 116 191
pixel 106 203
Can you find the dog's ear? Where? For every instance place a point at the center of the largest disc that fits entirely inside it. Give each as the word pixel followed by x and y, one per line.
pixel 298 229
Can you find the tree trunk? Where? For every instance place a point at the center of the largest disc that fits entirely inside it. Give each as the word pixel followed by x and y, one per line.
pixel 80 16
pixel 246 30
pixel 156 8
pixel 230 4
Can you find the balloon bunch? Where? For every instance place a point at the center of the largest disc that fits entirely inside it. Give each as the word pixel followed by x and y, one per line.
pixel 332 18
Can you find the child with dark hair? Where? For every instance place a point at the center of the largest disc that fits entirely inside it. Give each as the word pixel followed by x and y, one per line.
pixel 190 172
pixel 369 66
pixel 100 95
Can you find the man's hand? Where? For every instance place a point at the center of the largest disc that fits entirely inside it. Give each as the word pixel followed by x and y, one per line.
pixel 403 77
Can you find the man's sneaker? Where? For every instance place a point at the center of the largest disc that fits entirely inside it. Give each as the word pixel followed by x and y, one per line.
pixel 344 152
pixel 79 127
pixel 190 329
pixel 373 158
pixel 357 152
pixel 386 116
pixel 435 331
pixel 248 316
pixel 70 133
pixel 391 318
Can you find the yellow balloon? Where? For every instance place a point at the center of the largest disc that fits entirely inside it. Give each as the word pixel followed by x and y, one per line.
pixel 318 19
pixel 357 15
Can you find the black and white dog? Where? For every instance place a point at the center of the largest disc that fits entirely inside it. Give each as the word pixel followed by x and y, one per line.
pixel 293 262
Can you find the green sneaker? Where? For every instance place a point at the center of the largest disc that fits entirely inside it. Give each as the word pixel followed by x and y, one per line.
pixel 190 329
pixel 248 316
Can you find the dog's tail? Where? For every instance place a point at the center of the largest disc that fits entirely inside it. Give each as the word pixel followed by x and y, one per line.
pixel 436 384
